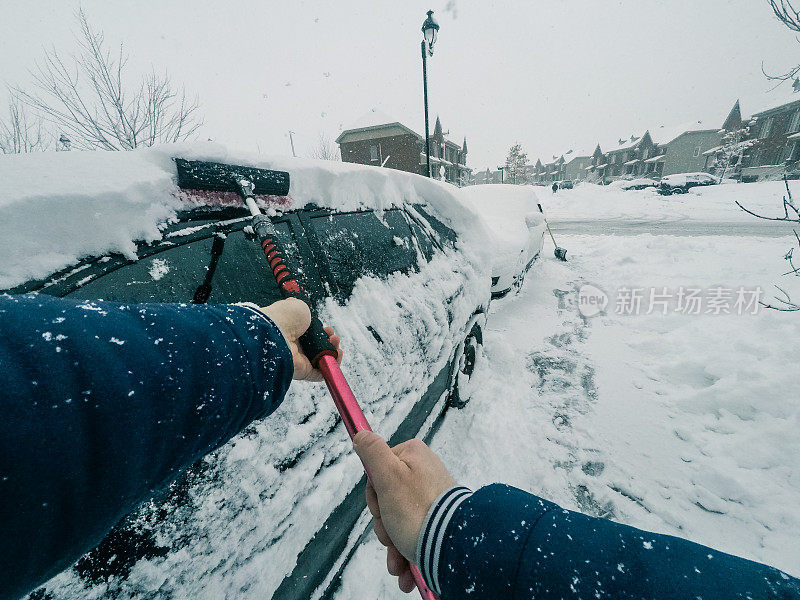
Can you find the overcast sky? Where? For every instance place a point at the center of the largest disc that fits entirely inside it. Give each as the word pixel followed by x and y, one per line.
pixel 550 74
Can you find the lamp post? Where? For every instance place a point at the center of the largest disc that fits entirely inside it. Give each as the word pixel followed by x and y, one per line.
pixel 430 30
pixel 501 169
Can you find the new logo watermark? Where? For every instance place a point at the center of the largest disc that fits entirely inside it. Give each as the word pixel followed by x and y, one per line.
pixel 592 301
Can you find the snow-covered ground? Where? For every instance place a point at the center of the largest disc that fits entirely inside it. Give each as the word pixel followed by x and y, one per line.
pixel 704 204
pixel 681 423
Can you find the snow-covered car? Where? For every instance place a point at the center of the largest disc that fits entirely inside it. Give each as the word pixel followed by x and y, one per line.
pixel 683 182
pixel 392 260
pixel 639 184
pixel 566 185
pixel 512 215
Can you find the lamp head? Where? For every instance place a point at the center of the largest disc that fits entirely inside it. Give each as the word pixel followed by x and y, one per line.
pixel 430 30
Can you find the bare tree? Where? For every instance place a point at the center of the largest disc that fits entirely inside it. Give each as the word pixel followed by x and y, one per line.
pixel 22 132
pixel 791 214
pixel 789 16
pixel 88 96
pixel 728 156
pixel 325 149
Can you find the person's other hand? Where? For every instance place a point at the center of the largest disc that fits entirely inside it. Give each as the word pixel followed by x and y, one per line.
pixel 404 482
pixel 293 317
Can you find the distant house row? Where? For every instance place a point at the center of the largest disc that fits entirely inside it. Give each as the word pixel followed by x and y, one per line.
pixel 377 139
pixel 772 147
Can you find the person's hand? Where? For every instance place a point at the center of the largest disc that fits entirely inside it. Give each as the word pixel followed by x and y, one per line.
pixel 293 317
pixel 404 482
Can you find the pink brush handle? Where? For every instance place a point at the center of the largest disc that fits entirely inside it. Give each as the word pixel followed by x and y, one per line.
pixel 355 421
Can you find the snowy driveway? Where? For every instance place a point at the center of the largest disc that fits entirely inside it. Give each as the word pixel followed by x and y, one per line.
pixel 680 423
pixel 754 228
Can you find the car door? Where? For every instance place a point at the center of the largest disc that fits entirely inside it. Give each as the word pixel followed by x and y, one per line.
pixel 404 318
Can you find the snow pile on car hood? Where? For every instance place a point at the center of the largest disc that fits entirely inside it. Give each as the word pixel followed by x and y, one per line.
pixel 56 208
pixel 509 211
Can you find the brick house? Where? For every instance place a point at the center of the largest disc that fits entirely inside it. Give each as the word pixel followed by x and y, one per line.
pixel 576 165
pixel 486 176
pixel 597 165
pixel 626 158
pixel 690 148
pixel 776 136
pixel 377 139
pixel 554 170
pixel 537 172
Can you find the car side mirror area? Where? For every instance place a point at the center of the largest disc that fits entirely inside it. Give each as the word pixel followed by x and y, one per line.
pixel 534 220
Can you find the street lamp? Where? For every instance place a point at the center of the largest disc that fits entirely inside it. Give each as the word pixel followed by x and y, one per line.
pixel 430 30
pixel 501 169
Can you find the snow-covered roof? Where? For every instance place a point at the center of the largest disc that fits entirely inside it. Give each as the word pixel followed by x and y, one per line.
pixel 656 159
pixel 632 162
pixel 578 151
pixel 795 136
pixel 776 97
pixel 374 119
pixel 619 144
pixel 664 135
pixel 713 150
pixel 58 207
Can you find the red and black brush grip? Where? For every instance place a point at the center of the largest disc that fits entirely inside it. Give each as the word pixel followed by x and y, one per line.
pixel 314 342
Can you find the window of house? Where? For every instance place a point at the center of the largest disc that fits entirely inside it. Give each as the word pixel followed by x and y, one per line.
pixel 794 122
pixel 792 151
pixel 697 151
pixel 646 154
pixel 373 153
pixel 766 128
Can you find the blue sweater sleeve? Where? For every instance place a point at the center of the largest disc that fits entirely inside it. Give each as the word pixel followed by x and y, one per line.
pixel 103 404
pixel 501 542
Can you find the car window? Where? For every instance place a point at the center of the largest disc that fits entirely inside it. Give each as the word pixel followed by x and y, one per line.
pixel 446 236
pixel 173 275
pixel 424 241
pixel 360 243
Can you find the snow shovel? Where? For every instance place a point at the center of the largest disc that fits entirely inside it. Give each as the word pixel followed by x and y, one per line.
pixel 559 253
pixel 247 182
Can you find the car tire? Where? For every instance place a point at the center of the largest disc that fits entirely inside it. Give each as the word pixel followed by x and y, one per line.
pixel 464 366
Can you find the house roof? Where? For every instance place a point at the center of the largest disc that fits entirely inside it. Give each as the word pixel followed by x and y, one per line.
pixel 713 150
pixel 375 120
pixel 775 98
pixel 665 135
pixel 710 123
pixel 622 144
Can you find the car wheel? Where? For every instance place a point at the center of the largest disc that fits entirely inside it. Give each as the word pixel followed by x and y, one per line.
pixel 464 366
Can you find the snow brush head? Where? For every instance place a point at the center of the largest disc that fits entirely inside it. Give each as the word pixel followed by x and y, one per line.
pixel 220 177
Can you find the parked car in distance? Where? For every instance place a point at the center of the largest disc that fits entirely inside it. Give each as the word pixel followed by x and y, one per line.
pixel 512 215
pixel 272 512
pixel 683 182
pixel 639 184
pixel 565 185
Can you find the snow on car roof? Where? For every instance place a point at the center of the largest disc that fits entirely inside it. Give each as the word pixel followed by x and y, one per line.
pixel 504 209
pixel 57 208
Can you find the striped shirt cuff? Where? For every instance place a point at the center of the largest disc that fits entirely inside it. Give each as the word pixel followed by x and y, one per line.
pixel 432 533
